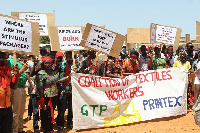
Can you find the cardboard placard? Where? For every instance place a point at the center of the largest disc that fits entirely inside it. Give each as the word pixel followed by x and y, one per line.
pixel 17 35
pixel 102 40
pixel 138 35
pixel 44 19
pixel 65 35
pixel 165 34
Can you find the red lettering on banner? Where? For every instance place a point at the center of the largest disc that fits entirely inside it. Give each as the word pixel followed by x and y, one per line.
pixel 125 81
pixel 122 93
pixel 170 77
pixel 80 82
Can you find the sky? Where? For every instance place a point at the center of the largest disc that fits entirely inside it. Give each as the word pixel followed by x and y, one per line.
pixel 116 15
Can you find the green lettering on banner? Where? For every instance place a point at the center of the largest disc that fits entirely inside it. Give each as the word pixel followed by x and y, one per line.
pixel 86 112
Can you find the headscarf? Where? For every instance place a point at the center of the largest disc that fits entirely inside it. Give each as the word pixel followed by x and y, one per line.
pixel 47 58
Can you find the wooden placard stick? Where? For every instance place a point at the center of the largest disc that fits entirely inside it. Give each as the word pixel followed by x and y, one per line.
pixel 94 62
pixel 73 58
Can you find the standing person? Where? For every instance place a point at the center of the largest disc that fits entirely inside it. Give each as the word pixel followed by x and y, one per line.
pixel 64 69
pixel 182 60
pixel 171 56
pixel 32 107
pixel 19 96
pixel 68 88
pixel 87 64
pixel 197 78
pixel 143 59
pixel 6 84
pixel 46 81
pixel 189 49
pixel 156 60
pixel 130 66
pixel 113 68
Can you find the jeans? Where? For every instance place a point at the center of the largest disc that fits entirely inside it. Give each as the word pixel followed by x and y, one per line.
pixel 6 120
pixel 34 100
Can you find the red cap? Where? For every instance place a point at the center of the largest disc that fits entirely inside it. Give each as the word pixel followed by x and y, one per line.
pixel 59 54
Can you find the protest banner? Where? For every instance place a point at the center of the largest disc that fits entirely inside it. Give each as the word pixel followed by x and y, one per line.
pixel 17 35
pixel 104 102
pixel 66 38
pixel 102 40
pixel 44 19
pixel 165 34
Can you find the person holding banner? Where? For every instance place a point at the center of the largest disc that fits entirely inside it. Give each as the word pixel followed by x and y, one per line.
pixel 18 95
pixel 143 59
pixel 46 81
pixel 7 82
pixel 130 66
pixel 157 61
pixel 64 69
pixel 182 60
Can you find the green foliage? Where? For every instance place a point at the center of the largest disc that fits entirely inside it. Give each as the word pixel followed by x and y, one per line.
pixel 44 40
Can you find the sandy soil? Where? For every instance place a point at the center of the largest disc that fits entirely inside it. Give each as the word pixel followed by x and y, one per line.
pixel 177 124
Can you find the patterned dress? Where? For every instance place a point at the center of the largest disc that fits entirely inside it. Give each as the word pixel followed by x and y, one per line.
pixel 49 83
pixel 128 68
pixel 158 63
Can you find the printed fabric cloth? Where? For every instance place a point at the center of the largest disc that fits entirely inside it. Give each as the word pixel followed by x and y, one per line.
pixel 48 82
pixel 158 63
pixel 61 69
pixel 128 68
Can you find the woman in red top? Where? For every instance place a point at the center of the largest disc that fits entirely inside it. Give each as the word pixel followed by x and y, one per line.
pixel 130 66
pixel 7 82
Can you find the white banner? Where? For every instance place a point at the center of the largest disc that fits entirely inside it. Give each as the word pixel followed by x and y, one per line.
pixel 15 34
pixel 70 38
pixel 40 18
pixel 103 101
pixel 100 39
pixel 165 34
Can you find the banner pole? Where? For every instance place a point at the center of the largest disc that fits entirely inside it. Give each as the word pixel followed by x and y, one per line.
pixel 15 58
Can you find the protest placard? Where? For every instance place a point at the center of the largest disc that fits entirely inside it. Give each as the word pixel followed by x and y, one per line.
pixel 66 38
pixel 19 35
pixel 138 35
pixel 102 40
pixel 44 19
pixel 165 34
pixel 104 102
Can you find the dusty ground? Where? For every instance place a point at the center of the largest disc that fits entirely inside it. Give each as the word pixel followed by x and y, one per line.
pixel 177 124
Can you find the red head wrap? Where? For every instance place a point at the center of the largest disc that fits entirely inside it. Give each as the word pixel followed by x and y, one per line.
pixel 47 58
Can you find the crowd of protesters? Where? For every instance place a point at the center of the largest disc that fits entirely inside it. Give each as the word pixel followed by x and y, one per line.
pixel 49 86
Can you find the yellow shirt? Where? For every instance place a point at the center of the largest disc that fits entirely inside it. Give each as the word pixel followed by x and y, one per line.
pixel 179 64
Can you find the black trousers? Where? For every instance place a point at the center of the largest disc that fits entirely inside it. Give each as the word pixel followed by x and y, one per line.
pixel 62 100
pixel 46 115
pixel 6 120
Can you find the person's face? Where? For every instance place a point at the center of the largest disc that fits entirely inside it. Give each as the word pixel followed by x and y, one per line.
pixel 143 50
pixel 68 56
pixel 157 50
pixel 59 59
pixel 182 55
pixel 3 59
pixel 133 59
pixel 92 54
pixel 170 51
pixel 47 64
pixel 190 48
